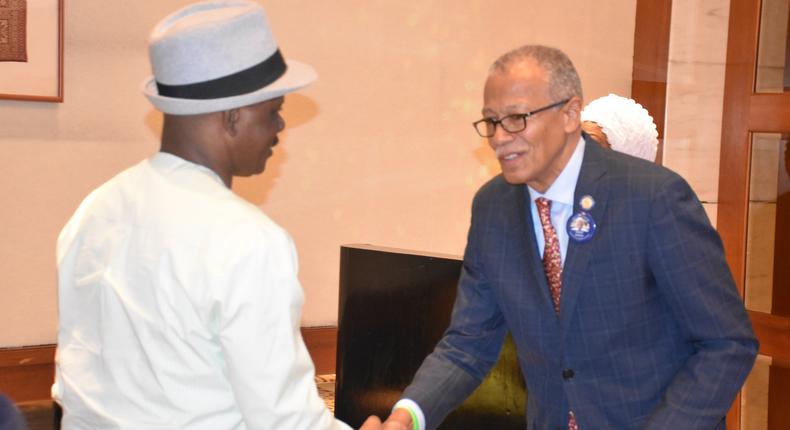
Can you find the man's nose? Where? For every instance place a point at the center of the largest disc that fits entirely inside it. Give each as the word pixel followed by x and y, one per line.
pixel 500 137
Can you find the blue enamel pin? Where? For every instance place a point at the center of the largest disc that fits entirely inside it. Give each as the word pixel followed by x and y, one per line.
pixel 581 225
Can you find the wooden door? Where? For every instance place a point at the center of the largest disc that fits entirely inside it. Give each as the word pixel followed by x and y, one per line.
pixel 754 199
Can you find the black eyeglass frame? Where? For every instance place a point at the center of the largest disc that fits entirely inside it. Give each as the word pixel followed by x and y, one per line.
pixel 523 117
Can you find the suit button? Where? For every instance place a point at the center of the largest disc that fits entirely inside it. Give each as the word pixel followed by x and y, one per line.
pixel 567 374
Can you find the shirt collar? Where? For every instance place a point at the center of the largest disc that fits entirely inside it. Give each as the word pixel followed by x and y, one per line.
pixel 565 185
pixel 166 161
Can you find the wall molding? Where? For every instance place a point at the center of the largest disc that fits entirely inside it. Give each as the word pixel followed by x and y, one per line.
pixel 322 344
pixel 651 61
pixel 26 373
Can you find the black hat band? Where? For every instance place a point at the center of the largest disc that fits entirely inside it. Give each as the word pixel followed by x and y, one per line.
pixel 243 82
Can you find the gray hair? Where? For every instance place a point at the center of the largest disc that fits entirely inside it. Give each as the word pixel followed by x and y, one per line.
pixel 563 82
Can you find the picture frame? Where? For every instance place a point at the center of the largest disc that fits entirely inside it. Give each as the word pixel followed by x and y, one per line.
pixel 40 77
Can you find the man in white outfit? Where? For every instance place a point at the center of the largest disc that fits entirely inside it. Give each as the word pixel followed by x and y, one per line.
pixel 179 301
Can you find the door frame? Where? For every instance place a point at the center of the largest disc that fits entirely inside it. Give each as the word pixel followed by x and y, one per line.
pixel 746 112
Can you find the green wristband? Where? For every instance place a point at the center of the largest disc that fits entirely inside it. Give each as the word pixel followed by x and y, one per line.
pixel 415 424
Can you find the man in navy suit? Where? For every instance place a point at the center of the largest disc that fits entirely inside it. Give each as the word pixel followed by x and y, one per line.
pixel 604 267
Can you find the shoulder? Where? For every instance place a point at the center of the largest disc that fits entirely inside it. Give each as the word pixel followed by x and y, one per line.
pixel 103 202
pixel 495 190
pixel 244 218
pixel 645 189
pixel 225 217
pixel 630 175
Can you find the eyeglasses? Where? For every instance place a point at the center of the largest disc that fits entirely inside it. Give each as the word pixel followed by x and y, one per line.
pixel 514 123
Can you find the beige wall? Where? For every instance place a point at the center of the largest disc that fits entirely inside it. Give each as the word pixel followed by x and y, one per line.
pixel 380 150
pixel 695 95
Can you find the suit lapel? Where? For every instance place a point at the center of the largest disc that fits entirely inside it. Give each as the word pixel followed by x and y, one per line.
pixel 518 220
pixel 578 254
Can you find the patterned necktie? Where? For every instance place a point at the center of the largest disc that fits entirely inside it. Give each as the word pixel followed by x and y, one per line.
pixel 552 265
pixel 552 261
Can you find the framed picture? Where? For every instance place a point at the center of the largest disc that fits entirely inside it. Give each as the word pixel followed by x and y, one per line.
pixel 31 50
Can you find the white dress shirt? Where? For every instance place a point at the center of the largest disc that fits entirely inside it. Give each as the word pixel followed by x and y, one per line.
pixel 561 195
pixel 180 308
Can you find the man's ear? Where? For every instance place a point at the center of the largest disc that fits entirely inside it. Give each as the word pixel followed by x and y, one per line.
pixel 573 111
pixel 230 119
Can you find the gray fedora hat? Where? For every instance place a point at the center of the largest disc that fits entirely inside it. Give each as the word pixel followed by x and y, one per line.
pixel 218 55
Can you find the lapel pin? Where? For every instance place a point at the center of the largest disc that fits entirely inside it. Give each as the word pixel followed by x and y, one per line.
pixel 586 203
pixel 581 225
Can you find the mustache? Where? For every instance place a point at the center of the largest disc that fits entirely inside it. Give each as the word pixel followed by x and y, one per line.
pixel 502 151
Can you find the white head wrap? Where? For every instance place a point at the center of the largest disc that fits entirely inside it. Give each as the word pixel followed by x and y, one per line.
pixel 628 126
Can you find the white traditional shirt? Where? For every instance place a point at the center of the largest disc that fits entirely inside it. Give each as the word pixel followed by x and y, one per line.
pixel 180 308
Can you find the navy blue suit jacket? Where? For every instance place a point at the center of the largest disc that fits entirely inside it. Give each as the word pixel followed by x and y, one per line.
pixel 652 332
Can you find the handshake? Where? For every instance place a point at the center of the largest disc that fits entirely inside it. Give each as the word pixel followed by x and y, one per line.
pixel 400 419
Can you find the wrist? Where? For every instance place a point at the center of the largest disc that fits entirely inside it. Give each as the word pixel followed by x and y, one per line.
pixel 409 413
pixel 403 416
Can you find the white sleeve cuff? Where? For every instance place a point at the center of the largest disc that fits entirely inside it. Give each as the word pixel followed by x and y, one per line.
pixel 414 409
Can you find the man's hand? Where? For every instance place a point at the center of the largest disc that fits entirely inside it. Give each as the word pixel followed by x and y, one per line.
pixel 374 423
pixel 400 419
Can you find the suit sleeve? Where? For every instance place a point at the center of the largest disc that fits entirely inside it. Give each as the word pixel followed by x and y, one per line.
pixel 469 347
pixel 687 260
